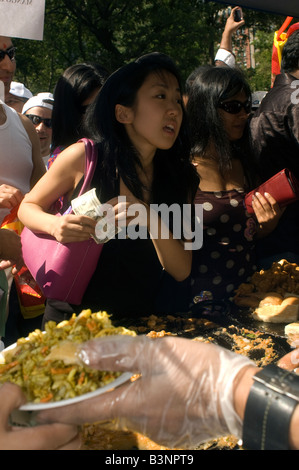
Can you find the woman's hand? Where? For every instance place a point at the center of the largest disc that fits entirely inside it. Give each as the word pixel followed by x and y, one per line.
pixel 10 196
pixel 267 212
pixel 45 437
pixel 10 250
pixel 72 228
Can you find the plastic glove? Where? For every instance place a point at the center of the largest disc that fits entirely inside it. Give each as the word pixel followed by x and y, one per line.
pixel 291 360
pixel 184 396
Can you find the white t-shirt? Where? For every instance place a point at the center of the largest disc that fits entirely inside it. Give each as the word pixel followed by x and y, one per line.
pixel 16 163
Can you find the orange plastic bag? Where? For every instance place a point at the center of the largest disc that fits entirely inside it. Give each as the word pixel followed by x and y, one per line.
pixel 31 298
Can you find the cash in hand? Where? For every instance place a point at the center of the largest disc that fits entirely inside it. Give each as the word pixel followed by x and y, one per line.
pixel 88 204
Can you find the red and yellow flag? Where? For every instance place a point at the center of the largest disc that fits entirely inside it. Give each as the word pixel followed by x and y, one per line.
pixel 280 38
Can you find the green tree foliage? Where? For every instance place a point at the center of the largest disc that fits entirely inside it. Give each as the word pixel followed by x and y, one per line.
pixel 260 76
pixel 114 32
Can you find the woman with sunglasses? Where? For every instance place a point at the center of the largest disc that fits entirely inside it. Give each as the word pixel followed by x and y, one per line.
pixel 218 108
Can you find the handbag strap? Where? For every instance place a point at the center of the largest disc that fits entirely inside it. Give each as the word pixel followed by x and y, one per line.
pixel 91 158
pixel 90 163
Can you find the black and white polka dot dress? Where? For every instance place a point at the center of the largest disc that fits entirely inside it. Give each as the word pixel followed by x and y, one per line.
pixel 227 256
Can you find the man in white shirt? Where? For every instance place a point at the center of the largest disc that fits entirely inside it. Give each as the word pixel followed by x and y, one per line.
pixel 18 95
pixel 7 63
pixel 21 165
pixel 39 110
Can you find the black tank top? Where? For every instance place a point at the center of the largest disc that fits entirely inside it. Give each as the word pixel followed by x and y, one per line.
pixel 128 274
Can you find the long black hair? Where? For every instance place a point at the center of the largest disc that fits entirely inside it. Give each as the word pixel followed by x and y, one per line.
pixel 74 86
pixel 209 87
pixel 174 176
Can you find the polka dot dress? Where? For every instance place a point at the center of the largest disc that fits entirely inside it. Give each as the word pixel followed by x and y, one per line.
pixel 227 256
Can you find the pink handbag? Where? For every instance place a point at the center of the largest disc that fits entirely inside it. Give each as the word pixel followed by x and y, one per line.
pixel 63 271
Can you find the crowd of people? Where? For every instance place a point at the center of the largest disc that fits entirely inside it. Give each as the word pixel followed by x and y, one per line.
pixel 158 142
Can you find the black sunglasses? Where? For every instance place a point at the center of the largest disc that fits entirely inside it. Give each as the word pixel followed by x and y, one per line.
pixel 235 107
pixel 11 52
pixel 36 120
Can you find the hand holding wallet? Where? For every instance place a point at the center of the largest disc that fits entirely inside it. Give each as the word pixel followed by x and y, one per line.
pixel 283 186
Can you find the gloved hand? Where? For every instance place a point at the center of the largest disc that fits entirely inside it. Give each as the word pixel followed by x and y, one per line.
pixel 185 394
pixel 291 360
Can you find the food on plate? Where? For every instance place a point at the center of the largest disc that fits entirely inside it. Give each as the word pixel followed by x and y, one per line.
pixel 44 380
pixel 292 332
pixel 277 313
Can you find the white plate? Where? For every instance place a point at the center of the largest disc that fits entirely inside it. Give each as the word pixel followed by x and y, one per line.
pixel 55 404
pixel 70 401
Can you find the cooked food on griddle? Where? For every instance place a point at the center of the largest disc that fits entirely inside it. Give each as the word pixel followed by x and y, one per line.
pixel 282 278
pixel 257 345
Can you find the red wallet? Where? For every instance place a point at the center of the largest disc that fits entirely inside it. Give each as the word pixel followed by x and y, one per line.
pixel 283 186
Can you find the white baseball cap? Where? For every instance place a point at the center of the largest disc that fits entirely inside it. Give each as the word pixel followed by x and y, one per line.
pixel 19 90
pixel 44 100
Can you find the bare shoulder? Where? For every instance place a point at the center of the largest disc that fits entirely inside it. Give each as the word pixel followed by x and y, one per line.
pixel 74 154
pixel 27 124
pixel 70 163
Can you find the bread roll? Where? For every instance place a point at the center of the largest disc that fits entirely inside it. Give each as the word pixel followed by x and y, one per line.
pixel 277 313
pixel 290 301
pixel 292 332
pixel 271 298
pixel 258 299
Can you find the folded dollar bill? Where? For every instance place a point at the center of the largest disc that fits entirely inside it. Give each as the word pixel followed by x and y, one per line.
pixel 88 204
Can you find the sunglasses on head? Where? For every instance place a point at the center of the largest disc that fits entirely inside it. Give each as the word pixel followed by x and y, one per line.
pixel 11 52
pixel 235 107
pixel 36 120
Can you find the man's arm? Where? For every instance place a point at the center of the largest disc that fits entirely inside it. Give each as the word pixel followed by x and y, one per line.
pixel 224 55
